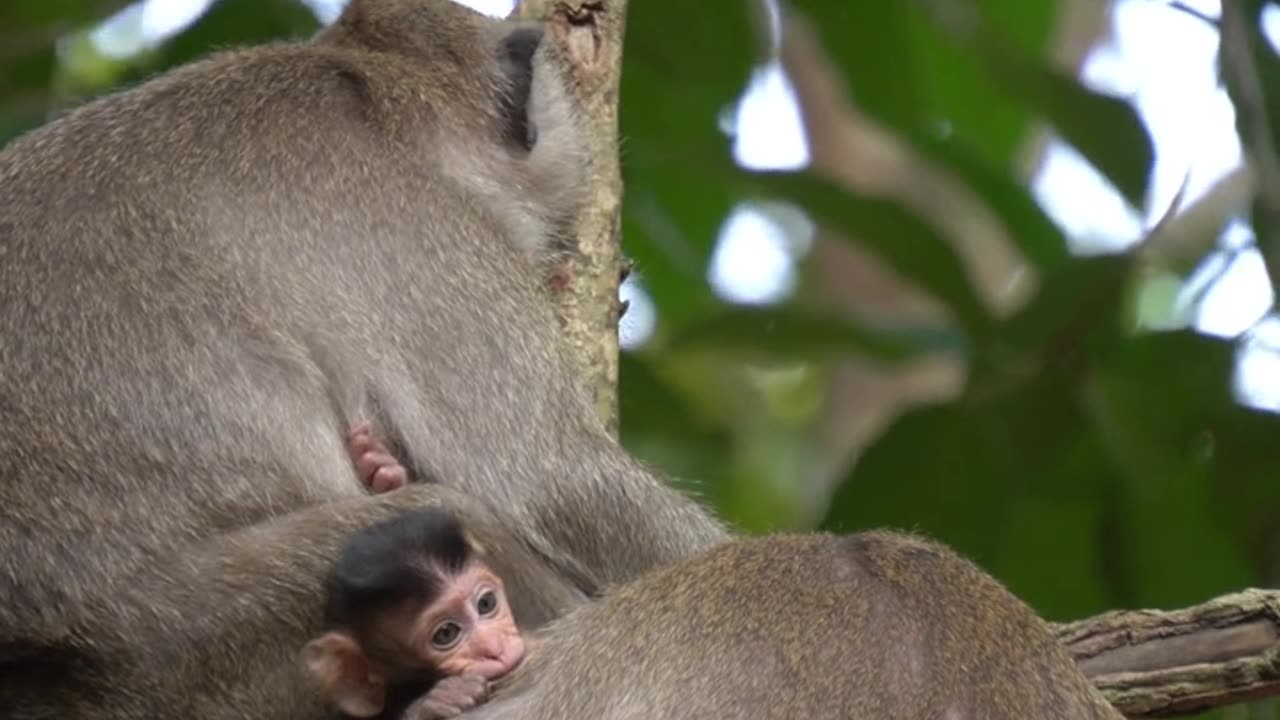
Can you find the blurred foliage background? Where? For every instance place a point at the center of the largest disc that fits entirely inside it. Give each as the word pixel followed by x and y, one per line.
pixel 947 356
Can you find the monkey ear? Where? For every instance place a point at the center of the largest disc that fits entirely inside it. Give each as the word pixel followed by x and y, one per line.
pixel 515 59
pixel 338 662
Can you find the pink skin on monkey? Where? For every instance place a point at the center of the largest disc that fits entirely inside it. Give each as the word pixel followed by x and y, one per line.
pixel 377 467
pixel 467 634
pixel 469 628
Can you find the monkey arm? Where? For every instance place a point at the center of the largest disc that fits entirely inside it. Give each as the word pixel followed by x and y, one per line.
pixel 614 501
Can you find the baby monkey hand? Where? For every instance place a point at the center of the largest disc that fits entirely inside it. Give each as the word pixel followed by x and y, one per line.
pixel 448 698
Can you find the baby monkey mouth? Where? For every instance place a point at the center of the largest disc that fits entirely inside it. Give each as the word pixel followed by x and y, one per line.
pixel 509 661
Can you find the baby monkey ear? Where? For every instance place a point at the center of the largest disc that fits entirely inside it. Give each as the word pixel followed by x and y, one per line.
pixel 337 661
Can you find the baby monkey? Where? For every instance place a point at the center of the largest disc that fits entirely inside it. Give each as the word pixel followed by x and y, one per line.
pixel 416 623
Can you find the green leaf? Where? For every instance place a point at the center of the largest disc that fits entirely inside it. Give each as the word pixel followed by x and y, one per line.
pixel 903 71
pixel 28 75
pixel 14 122
pixel 29 18
pixel 1161 402
pixel 1077 313
pixel 1080 304
pixel 1039 238
pixel 1266 67
pixel 931 472
pixel 684 64
pixel 670 225
pixel 672 218
pixel 933 83
pixel 990 474
pixel 1106 130
pixel 661 426
pixel 1052 559
pixel 903 242
pixel 874 44
pixel 791 333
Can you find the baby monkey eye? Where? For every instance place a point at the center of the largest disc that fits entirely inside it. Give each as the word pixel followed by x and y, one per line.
pixel 487 603
pixel 446 635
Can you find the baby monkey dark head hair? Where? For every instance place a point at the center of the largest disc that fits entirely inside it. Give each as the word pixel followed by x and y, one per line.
pixel 409 555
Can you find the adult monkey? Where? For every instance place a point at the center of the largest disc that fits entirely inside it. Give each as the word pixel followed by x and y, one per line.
pixel 204 282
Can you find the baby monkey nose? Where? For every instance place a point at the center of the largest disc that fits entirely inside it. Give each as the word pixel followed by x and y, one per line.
pixel 490 645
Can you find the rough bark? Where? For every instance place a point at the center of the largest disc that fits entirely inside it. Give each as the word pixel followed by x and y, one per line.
pixel 588 34
pixel 1152 663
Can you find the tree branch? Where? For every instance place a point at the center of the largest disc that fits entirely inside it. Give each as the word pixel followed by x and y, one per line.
pixel 1152 663
pixel 588 34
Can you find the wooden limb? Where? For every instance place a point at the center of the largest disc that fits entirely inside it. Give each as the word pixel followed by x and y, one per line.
pixel 588 35
pixel 1152 663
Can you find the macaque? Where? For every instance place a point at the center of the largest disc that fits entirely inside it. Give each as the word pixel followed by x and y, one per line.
pixel 417 624
pixel 208 279
pixel 868 626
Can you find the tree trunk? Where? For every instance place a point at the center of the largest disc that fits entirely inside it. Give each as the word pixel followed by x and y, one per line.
pixel 588 35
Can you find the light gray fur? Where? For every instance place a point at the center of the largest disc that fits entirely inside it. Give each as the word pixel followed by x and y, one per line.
pixel 204 281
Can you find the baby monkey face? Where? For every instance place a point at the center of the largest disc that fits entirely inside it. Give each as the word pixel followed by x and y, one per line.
pixel 469 629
